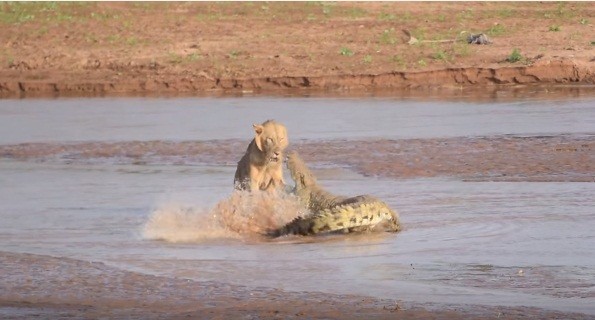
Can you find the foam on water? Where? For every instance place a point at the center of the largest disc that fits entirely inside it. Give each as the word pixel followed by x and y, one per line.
pixel 243 215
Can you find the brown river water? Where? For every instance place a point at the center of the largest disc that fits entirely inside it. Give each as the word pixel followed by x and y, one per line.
pixel 101 195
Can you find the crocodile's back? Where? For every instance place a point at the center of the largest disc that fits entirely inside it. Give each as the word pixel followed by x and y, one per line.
pixel 330 212
pixel 359 216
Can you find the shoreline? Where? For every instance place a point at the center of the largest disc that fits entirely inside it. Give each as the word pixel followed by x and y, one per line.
pixel 210 48
pixel 542 74
pixel 77 290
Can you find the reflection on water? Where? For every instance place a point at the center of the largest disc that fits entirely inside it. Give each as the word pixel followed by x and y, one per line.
pixel 137 119
pixel 490 243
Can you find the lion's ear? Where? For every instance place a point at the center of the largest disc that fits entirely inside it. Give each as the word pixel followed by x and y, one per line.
pixel 258 129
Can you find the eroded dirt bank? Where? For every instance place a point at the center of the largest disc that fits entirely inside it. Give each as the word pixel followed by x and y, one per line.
pixel 146 48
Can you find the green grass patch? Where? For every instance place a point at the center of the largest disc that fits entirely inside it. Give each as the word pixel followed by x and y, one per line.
pixel 398 59
pixel 461 49
pixel 385 16
pixel 174 58
pixel 441 55
pixel 465 15
pixel 554 28
pixel 49 11
pixel 234 54
pixel 496 30
pixel 367 59
pixel 388 37
pixel 515 56
pixel 505 13
pixel 344 51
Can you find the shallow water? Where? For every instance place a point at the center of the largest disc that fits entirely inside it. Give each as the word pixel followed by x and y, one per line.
pixel 131 119
pixel 487 243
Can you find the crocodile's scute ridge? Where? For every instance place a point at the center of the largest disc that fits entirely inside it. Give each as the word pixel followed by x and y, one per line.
pixel 333 213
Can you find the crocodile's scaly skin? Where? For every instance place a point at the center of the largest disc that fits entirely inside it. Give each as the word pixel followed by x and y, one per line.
pixel 332 213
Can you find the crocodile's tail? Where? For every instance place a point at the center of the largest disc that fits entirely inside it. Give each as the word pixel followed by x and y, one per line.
pixel 300 225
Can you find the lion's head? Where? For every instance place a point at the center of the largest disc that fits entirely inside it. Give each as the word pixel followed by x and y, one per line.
pixel 271 138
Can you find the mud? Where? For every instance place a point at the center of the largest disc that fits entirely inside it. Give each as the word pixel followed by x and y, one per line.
pixel 63 288
pixel 204 48
pixel 491 158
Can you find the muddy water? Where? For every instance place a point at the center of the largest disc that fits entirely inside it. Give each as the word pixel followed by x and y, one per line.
pixel 465 242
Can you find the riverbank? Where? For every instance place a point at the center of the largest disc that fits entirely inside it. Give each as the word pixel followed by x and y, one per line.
pixel 207 48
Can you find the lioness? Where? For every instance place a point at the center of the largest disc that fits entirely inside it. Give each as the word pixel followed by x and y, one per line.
pixel 261 166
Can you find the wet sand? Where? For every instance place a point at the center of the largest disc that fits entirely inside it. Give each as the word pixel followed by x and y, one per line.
pixel 491 158
pixel 62 288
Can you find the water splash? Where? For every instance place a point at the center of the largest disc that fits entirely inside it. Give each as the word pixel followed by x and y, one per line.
pixel 243 215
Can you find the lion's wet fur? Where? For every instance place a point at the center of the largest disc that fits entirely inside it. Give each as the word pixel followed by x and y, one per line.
pixel 261 166
pixel 330 212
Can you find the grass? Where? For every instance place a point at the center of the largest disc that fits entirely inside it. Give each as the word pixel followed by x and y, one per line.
pixel 209 16
pixel 193 57
pixel 9 61
pixel 398 59
pixel 404 17
pixel 234 54
pixel 47 11
pixel 419 33
pixel 441 55
pixel 174 58
pixel 367 59
pixel 554 28
pixel 496 30
pixel 515 56
pixel 113 38
pixel 355 13
pixel 465 15
pixel 132 41
pixel 103 16
pixel 388 37
pixel 17 12
pixel 562 12
pixel 344 51
pixel 505 13
pixel 461 49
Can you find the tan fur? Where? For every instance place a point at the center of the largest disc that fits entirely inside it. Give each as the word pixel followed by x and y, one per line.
pixel 261 167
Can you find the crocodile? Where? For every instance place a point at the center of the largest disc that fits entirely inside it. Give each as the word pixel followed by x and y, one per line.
pixel 330 212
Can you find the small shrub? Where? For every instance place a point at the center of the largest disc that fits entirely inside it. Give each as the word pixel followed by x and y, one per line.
pixel 515 56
